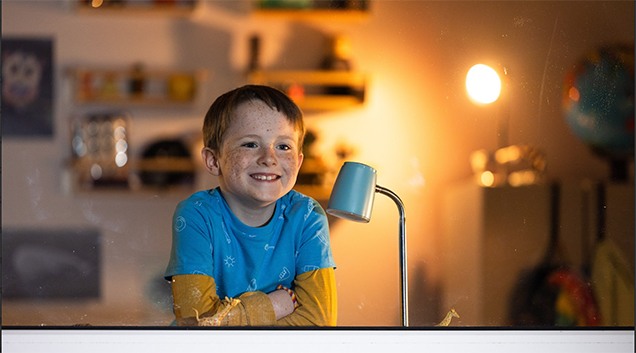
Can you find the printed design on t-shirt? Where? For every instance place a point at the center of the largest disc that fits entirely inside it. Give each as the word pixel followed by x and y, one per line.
pixel 284 274
pixel 322 237
pixel 198 203
pixel 252 286
pixel 269 247
pixel 307 268
pixel 226 233
pixel 310 208
pixel 229 261
pixel 179 224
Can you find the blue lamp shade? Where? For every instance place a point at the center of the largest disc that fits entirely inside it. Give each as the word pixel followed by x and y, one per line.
pixel 353 193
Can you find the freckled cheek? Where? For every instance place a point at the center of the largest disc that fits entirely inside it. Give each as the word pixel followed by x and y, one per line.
pixel 291 161
pixel 235 163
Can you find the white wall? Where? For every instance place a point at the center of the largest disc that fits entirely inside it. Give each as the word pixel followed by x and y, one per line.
pixel 417 128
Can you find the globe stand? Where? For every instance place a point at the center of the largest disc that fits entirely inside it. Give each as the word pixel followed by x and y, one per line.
pixel 619 170
pixel 618 163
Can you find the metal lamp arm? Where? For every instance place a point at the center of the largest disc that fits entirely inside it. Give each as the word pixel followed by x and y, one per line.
pixel 403 264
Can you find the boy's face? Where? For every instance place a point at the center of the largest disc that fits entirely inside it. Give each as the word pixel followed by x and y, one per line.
pixel 259 157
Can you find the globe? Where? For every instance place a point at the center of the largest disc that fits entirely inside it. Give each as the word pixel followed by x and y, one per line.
pixel 598 101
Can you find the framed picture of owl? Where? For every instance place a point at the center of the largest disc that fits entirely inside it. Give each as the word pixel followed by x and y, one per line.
pixel 27 87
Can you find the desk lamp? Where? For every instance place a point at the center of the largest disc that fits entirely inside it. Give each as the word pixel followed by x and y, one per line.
pixel 352 198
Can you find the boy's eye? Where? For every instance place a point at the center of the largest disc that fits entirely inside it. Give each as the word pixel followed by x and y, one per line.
pixel 284 147
pixel 250 144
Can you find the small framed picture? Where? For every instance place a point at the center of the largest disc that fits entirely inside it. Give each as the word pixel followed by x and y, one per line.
pixel 27 87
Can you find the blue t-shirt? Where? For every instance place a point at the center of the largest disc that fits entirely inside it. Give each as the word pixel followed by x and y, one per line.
pixel 208 239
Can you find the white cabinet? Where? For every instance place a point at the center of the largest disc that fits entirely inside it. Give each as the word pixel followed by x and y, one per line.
pixel 491 235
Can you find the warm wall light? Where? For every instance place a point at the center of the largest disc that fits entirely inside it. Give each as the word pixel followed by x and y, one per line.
pixel 352 198
pixel 483 84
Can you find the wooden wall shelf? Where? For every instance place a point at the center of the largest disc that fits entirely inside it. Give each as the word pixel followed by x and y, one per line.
pixel 310 89
pixel 116 86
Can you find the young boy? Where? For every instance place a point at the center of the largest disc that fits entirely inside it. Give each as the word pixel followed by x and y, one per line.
pixel 252 251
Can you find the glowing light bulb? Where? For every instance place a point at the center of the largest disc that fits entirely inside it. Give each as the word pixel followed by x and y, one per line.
pixel 487 178
pixel 483 84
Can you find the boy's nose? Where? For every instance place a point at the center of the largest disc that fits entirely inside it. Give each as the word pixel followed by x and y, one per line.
pixel 268 156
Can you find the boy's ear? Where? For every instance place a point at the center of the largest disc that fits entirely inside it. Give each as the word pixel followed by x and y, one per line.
pixel 301 157
pixel 211 161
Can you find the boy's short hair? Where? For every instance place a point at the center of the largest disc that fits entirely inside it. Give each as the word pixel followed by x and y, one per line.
pixel 221 112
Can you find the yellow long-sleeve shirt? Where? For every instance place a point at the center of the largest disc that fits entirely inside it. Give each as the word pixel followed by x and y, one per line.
pixel 315 292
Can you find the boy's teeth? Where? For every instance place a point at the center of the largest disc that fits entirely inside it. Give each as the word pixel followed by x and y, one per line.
pixel 264 177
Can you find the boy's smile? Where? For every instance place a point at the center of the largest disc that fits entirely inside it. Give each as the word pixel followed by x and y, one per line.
pixel 264 177
pixel 258 161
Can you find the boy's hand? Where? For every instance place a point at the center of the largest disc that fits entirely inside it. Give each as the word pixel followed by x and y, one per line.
pixel 283 301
